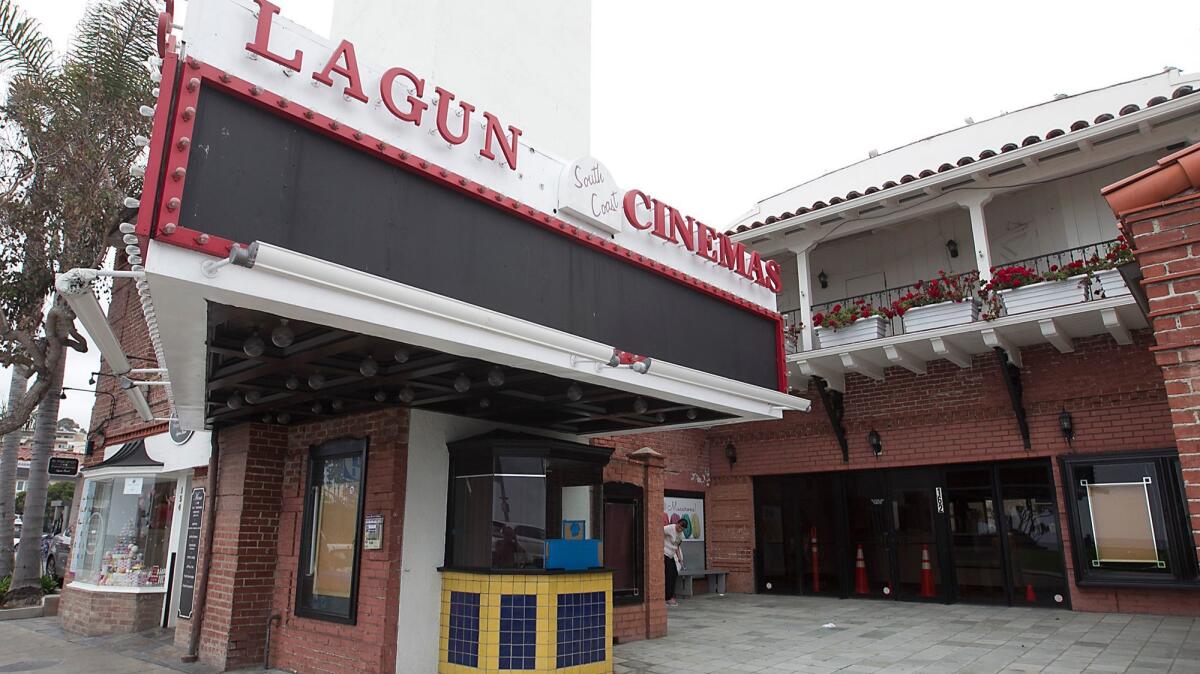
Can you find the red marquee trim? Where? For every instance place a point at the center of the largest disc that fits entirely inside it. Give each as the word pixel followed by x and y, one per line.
pixel 196 74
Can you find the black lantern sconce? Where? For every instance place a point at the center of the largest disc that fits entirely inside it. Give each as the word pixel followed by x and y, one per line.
pixel 876 442
pixel 731 453
pixel 1067 424
pixel 952 246
pixel 823 279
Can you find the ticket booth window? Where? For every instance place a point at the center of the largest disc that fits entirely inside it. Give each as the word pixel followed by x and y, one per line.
pixel 333 511
pixel 524 503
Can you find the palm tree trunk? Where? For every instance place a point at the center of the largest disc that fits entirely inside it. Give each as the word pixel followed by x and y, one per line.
pixel 8 477
pixel 28 573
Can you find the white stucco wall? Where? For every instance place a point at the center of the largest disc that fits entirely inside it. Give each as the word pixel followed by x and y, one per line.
pixel 528 61
pixel 424 542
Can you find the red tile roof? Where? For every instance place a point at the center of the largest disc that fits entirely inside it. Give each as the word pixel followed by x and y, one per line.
pixel 1077 125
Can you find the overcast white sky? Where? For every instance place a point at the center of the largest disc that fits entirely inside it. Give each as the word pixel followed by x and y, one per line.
pixel 714 109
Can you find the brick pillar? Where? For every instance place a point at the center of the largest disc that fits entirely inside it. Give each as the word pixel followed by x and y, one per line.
pixel 653 479
pixel 241 579
pixel 1167 244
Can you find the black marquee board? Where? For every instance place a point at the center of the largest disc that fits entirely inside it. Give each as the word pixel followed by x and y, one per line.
pixel 254 176
pixel 191 552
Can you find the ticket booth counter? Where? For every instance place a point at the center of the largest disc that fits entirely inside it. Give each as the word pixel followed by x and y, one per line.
pixel 524 587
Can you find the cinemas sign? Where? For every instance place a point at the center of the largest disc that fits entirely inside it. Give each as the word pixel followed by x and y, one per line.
pixel 586 189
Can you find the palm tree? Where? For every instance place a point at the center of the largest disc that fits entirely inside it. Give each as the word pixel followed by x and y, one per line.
pixel 8 478
pixel 67 144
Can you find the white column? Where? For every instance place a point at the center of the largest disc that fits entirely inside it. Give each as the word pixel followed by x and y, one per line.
pixel 803 285
pixel 979 237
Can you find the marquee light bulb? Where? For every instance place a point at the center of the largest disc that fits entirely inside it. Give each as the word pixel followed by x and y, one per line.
pixel 146 110
pixel 338 405
pixel 254 346
pixel 660 417
pixel 406 395
pixel 574 393
pixel 141 141
pixel 253 397
pixel 155 91
pixel 131 202
pixel 380 396
pixel 234 402
pixel 155 77
pixel 267 418
pixel 132 250
pixel 640 405
pixel 129 239
pixel 402 355
pixel 137 171
pixel 316 381
pixel 292 383
pixel 283 418
pixel 135 260
pixel 462 383
pixel 484 403
pixel 283 336
pixel 495 377
pixel 127 227
pixel 316 407
pixel 368 367
pixel 692 413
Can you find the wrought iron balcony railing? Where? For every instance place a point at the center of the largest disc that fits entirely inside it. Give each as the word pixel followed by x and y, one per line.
pixel 1042 264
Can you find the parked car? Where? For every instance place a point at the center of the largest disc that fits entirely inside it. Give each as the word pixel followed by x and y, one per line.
pixel 56 550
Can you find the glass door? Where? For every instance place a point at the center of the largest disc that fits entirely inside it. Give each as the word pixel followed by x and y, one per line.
pixel 1030 522
pixel 975 536
pixel 869 539
pixel 914 524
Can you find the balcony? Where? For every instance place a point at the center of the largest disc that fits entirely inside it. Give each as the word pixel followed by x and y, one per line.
pixel 1052 312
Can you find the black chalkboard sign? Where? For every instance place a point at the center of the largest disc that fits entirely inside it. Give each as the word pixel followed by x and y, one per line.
pixel 191 553
pixel 63 466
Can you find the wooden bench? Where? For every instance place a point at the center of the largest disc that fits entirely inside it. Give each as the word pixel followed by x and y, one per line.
pixel 716 579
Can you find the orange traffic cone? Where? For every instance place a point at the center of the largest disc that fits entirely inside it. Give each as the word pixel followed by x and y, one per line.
pixel 861 586
pixel 816 567
pixel 1029 595
pixel 927 589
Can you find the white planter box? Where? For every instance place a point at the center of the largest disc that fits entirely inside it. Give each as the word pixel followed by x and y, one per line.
pixel 940 315
pixel 862 330
pixel 1111 283
pixel 1045 295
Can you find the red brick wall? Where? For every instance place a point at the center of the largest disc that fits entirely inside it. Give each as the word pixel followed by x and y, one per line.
pixel 648 618
pixel 1166 240
pixel 98 613
pixel 242 574
pixel 1114 393
pixel 307 645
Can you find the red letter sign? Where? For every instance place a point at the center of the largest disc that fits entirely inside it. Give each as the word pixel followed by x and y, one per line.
pixel 630 202
pixel 509 149
pixel 262 35
pixel 416 105
pixel 445 98
pixel 349 71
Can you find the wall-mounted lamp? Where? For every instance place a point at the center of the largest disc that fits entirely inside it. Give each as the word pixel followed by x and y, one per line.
pixel 1067 424
pixel 731 453
pixel 876 442
pixel 823 279
pixel 952 246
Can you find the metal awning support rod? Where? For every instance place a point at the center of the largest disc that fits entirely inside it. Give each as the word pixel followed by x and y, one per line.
pixel 75 286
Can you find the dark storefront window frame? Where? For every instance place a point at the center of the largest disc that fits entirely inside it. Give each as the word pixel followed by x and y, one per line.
pixel 1171 502
pixel 625 493
pixel 491 455
pixel 339 448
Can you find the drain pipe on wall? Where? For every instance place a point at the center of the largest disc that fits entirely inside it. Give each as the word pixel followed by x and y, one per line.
pixel 273 620
pixel 200 597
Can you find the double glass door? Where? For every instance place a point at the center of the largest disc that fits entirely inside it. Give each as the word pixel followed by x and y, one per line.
pixel 978 533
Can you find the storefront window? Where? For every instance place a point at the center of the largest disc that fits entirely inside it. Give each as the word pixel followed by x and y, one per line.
pixel 1129 519
pixel 124 524
pixel 332 521
pixel 509 498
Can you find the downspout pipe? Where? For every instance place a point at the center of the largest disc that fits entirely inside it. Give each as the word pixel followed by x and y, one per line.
pixel 200 600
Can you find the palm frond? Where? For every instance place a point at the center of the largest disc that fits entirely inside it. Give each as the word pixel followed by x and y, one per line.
pixel 23 47
pixel 113 40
